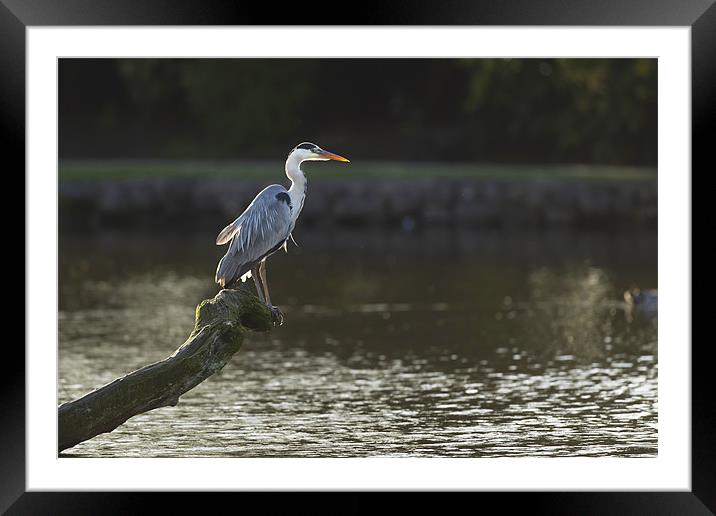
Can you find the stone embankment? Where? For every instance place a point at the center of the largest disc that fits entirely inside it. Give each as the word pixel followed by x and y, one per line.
pixel 398 203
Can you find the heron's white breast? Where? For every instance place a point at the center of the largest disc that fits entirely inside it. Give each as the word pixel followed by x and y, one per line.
pixel 299 184
pixel 297 192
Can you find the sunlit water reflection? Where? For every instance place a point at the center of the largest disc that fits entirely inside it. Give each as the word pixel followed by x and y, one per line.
pixel 443 344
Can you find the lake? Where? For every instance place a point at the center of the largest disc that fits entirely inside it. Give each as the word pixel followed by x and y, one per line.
pixel 439 343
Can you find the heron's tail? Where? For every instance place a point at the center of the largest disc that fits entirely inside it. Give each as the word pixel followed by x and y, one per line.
pixel 228 271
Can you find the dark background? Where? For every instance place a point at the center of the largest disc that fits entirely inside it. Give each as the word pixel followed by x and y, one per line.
pixel 593 111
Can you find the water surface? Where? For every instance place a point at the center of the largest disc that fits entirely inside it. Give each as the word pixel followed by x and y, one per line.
pixel 439 343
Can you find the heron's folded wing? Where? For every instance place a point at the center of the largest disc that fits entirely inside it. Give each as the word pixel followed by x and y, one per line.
pixel 265 224
pixel 258 232
pixel 228 232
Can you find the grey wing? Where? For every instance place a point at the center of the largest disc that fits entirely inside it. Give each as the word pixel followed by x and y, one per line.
pixel 260 230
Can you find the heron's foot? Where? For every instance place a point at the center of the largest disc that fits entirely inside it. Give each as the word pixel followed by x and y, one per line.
pixel 276 315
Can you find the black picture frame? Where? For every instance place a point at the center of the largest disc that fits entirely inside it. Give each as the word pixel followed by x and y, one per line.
pixel 17 15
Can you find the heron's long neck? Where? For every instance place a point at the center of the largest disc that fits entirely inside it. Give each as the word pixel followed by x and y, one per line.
pixel 297 191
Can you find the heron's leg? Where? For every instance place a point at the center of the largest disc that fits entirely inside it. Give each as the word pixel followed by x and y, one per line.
pixel 262 273
pixel 275 312
pixel 259 289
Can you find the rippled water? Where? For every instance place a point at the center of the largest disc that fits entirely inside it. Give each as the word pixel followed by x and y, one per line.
pixel 460 344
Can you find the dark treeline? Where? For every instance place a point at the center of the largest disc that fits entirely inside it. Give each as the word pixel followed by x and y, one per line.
pixel 600 111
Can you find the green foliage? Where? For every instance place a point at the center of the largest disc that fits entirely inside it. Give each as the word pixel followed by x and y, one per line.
pixel 231 106
pixel 603 110
pixel 485 110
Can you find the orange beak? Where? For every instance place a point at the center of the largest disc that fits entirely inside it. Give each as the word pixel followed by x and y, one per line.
pixel 334 157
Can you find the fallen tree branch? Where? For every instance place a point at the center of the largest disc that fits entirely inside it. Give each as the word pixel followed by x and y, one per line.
pixel 219 330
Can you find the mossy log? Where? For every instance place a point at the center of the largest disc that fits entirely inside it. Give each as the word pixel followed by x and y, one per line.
pixel 219 331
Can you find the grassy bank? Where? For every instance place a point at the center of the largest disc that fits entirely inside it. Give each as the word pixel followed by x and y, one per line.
pixel 273 170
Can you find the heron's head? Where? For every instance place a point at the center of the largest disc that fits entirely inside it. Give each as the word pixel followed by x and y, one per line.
pixel 307 151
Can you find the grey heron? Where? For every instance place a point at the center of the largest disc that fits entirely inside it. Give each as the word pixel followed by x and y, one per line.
pixel 266 225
